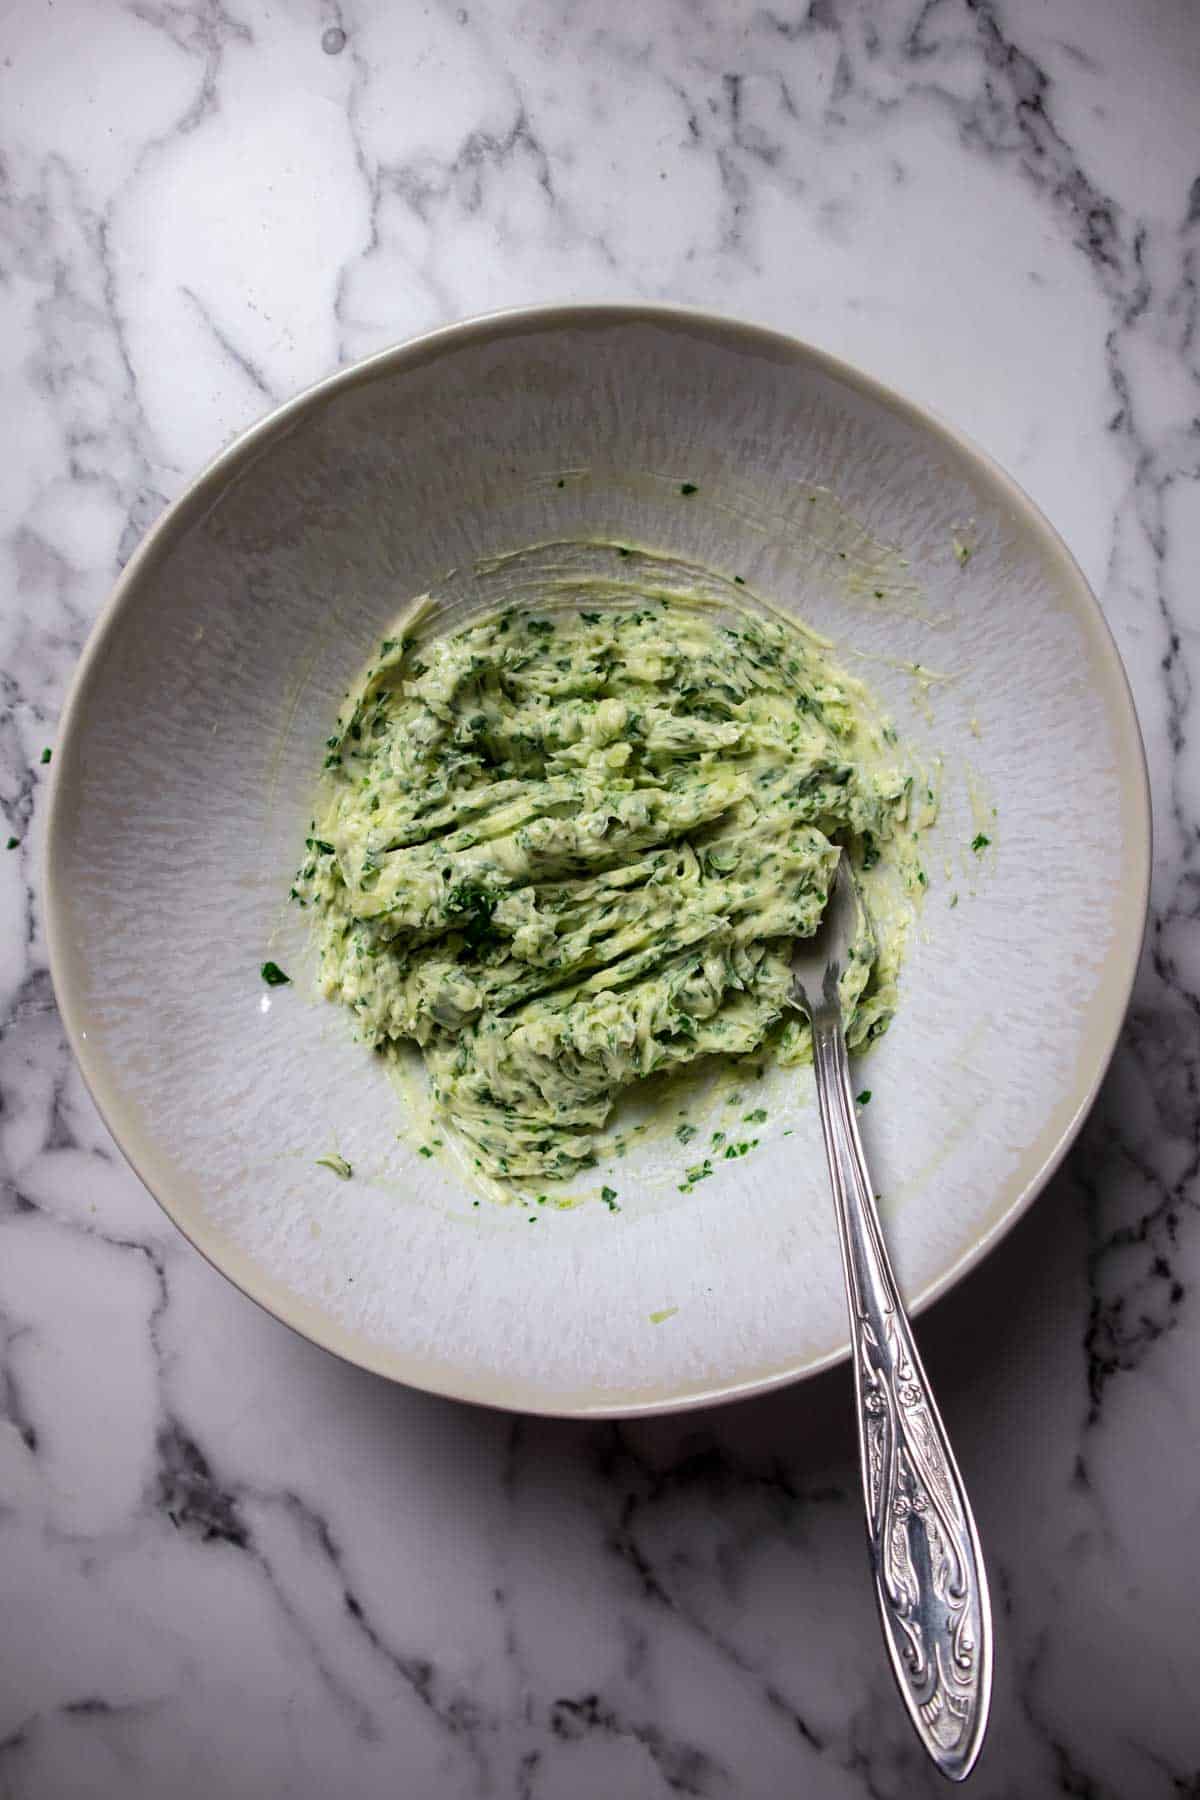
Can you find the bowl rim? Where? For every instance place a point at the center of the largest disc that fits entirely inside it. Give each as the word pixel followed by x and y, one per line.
pixel 308 1321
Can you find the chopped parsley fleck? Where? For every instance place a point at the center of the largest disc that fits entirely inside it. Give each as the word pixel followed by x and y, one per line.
pixel 470 905
pixel 273 975
pixel 46 754
pixel 12 843
pixel 685 1133
pixel 980 842
pixel 663 1314
pixel 688 487
pixel 338 1164
pixel 864 1097
pixel 425 1150
pixel 757 1117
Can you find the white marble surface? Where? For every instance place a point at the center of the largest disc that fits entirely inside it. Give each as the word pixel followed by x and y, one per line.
pixel 232 1566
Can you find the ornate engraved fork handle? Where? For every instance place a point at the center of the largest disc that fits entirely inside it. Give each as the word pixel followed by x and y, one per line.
pixel 928 1567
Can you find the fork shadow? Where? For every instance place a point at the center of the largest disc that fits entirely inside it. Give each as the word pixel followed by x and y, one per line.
pixel 1016 1316
pixel 1008 1311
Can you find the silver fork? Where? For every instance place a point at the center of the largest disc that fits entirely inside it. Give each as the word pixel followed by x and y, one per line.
pixel 929 1576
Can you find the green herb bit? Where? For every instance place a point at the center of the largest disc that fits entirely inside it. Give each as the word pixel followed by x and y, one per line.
pixel 757 1117
pixel 863 1098
pixel 609 1197
pixel 46 754
pixel 12 843
pixel 688 487
pixel 273 975
pixel 685 1133
pixel 980 842
pixel 338 1164
pixel 425 1150
pixel 664 1313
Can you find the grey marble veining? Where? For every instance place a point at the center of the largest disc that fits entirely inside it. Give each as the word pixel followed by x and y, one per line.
pixel 229 1564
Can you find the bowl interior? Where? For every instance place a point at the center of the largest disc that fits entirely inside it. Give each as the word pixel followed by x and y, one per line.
pixel 184 787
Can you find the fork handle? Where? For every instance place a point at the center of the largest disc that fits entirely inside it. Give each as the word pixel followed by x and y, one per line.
pixel 929 1575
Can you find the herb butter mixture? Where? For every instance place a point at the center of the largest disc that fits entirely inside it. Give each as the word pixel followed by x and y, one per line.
pixel 563 851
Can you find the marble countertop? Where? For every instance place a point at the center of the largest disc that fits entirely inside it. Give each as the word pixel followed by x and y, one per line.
pixel 230 1565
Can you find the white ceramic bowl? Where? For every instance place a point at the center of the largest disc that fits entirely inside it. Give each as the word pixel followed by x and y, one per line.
pixel 183 783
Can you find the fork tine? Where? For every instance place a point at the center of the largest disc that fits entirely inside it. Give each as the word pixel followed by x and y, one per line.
pixel 818 961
